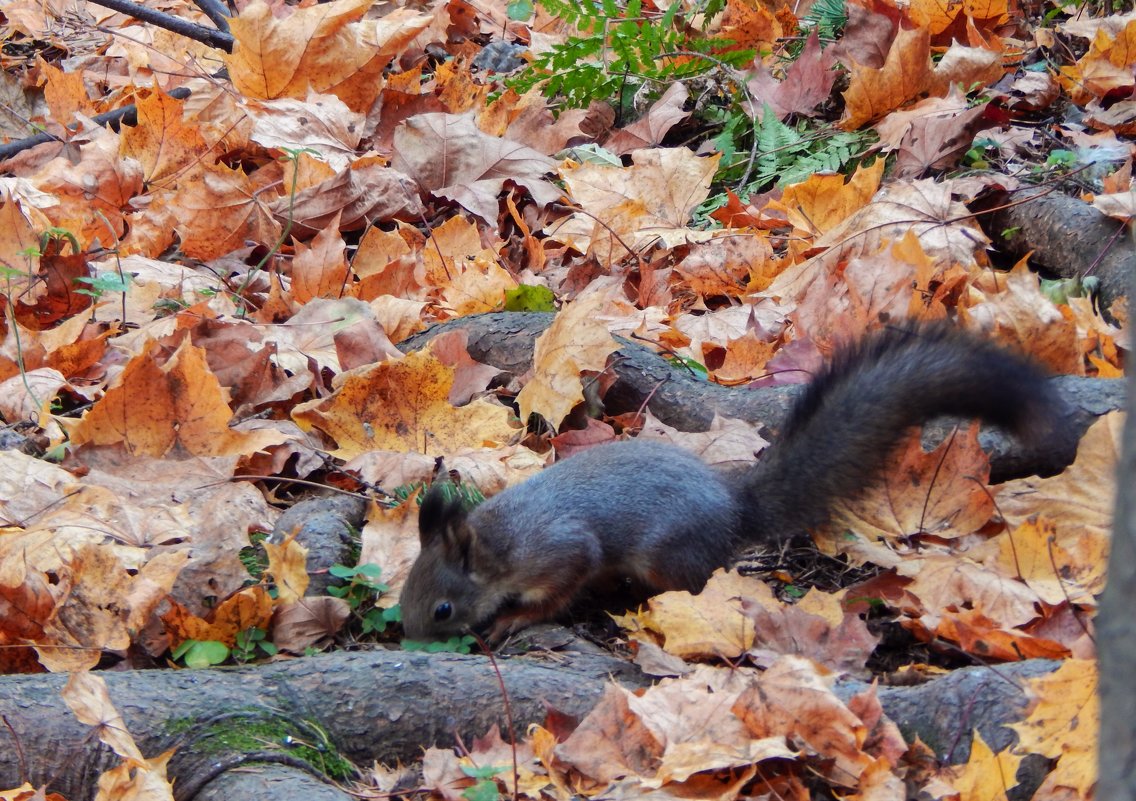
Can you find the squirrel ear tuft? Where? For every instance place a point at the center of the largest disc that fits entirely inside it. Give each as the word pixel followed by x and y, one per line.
pixel 442 510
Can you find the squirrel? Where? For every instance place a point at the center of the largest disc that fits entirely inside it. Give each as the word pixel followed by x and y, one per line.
pixel 657 514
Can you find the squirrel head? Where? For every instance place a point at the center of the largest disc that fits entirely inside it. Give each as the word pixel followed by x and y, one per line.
pixel 447 592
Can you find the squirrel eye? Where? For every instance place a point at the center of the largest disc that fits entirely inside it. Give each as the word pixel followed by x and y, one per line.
pixel 443 611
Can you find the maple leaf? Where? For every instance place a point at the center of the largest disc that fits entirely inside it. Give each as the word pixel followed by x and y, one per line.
pixel 650 129
pixel 152 408
pixel 87 697
pixel 308 623
pixel 249 608
pixel 163 141
pixel 390 540
pixel 941 493
pixel 575 342
pixel 905 74
pixel 287 564
pixel 448 156
pixel 986 775
pixel 633 207
pixel 1063 725
pixel 402 405
pixel 218 212
pixel 808 82
pixel 329 48
pixel 1079 502
pixel 360 194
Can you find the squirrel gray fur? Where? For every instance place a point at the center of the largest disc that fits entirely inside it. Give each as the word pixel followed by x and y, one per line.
pixel 657 514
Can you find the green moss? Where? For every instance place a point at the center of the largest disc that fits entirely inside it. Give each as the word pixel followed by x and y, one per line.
pixel 249 732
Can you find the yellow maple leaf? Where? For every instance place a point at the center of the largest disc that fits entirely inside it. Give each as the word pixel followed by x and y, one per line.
pixel 1063 725
pixel 402 406
pixel 576 341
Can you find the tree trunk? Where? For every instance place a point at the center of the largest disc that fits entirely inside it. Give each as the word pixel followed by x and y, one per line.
pixel 1116 625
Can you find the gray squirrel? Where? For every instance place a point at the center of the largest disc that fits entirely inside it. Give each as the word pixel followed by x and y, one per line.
pixel 658 515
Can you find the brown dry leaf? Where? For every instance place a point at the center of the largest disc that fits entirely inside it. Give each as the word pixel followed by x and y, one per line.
pixel 936 134
pixel 1106 67
pixel 287 564
pixel 26 608
pixel 946 582
pixel 965 66
pixel 457 88
pixel 694 719
pixel 87 697
pixel 821 202
pixel 308 623
pixel 402 406
pixel 167 503
pixel 612 741
pixel 391 263
pixel 724 264
pixel 480 287
pixel 474 165
pixel 152 585
pixel 905 74
pixel 669 735
pixel 21 220
pixel 65 93
pixel 576 341
pixel 327 48
pixel 152 408
pixel 843 644
pixel 219 212
pixel 1011 307
pixel 650 129
pixel 442 773
pixel 745 359
pixel 163 141
pixel 1063 725
pixel 941 493
pixel 449 247
pixel 319 270
pixel 489 469
pixel 92 615
pixel 647 203
pixel 808 82
pixel 794 700
pixel 249 608
pixel 390 540
pixel 986 775
pixel 311 340
pixel 360 194
pixel 92 193
pixel 977 634
pixel 924 209
pixel 144 780
pixel 401 318
pixel 323 125
pixel 492 750
pixel 470 377
pixel 30 396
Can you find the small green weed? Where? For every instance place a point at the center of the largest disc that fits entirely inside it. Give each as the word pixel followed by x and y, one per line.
pixel 361 592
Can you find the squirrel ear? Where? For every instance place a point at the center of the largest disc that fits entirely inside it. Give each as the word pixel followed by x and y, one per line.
pixel 442 511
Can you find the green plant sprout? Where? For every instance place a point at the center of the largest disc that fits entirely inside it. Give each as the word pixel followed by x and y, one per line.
pixel 361 592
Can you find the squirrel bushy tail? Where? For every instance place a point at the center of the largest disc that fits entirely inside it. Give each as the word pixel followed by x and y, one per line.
pixel 842 429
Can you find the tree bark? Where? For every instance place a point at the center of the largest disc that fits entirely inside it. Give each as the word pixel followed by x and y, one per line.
pixel 1062 235
pixel 238 727
pixel 1116 625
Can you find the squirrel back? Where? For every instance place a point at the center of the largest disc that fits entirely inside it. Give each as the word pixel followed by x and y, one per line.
pixel 657 514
